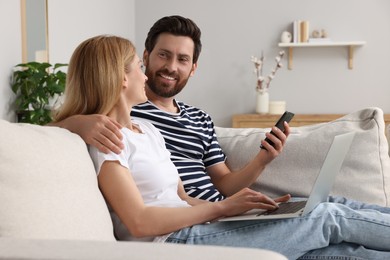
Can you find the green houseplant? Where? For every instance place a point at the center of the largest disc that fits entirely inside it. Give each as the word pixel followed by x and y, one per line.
pixel 36 85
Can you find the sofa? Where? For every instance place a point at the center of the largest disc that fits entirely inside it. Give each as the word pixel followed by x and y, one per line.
pixel 52 207
pixel 364 175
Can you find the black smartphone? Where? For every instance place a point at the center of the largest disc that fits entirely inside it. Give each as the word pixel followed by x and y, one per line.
pixel 286 117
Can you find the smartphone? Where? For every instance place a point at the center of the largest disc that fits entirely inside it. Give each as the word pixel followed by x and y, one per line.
pixel 286 117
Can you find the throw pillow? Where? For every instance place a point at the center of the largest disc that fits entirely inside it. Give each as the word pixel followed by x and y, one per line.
pixel 365 174
pixel 48 186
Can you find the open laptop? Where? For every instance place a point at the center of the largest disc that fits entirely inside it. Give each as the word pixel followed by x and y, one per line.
pixel 320 191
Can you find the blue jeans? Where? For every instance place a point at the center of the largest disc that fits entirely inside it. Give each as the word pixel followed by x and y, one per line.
pixel 331 229
pixel 348 251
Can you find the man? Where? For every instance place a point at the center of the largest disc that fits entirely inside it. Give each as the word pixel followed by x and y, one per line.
pixel 172 49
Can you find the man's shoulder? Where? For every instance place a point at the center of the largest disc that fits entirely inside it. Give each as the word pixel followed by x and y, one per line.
pixel 187 112
pixel 191 109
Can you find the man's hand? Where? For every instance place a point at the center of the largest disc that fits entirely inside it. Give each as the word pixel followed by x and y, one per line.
pixel 279 139
pixel 96 130
pixel 229 184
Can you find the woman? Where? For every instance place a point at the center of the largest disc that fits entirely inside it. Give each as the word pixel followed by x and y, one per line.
pixel 142 187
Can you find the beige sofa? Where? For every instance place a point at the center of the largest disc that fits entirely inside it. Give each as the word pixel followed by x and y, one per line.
pixel 364 176
pixel 51 207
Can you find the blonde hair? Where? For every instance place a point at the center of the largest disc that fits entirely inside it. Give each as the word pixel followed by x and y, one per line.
pixel 95 74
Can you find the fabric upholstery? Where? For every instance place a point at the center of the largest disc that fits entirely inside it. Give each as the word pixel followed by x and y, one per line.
pixel 39 249
pixel 48 186
pixel 365 174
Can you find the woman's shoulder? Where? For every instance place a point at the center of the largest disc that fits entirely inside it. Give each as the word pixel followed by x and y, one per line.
pixel 145 125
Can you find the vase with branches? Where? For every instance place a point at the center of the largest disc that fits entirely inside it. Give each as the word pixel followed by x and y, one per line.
pixel 263 82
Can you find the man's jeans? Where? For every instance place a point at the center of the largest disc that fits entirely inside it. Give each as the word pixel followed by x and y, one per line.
pixel 341 222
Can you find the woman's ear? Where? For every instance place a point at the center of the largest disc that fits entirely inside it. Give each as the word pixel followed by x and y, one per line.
pixel 125 82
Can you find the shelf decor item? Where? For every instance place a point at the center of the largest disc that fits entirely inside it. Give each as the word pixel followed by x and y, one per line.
pixel 263 83
pixel 286 37
pixel 300 31
pixel 37 87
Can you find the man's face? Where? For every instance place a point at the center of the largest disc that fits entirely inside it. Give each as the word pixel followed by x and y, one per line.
pixel 169 65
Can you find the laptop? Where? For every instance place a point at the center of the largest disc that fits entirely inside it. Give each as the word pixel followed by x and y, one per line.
pixel 320 191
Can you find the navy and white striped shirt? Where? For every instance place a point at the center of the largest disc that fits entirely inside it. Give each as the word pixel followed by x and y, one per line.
pixel 191 139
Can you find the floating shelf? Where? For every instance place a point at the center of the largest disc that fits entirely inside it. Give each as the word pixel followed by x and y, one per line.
pixel 350 46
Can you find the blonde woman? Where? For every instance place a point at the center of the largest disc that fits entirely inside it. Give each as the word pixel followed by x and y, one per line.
pixel 142 187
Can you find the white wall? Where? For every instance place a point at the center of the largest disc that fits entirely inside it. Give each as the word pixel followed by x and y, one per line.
pixel 232 31
pixel 70 22
pixel 320 81
pixel 10 53
pixel 73 21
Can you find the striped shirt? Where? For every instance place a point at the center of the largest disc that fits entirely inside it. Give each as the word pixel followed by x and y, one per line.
pixel 191 139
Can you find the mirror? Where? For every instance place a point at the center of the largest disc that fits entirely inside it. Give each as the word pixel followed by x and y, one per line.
pixel 34 30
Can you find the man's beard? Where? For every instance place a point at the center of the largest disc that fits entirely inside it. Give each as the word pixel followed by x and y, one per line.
pixel 161 89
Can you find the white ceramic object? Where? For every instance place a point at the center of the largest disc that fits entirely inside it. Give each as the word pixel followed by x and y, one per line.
pixel 286 37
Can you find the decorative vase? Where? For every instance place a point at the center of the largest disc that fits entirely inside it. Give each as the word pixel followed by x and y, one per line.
pixel 262 102
pixel 286 37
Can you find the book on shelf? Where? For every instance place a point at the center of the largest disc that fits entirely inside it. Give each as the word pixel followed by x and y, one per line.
pixel 296 31
pixel 304 31
pixel 300 31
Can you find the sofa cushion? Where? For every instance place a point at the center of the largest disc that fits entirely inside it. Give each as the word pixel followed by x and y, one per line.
pixel 48 186
pixel 365 174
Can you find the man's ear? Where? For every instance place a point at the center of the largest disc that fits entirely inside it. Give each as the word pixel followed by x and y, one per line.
pixel 145 57
pixel 194 67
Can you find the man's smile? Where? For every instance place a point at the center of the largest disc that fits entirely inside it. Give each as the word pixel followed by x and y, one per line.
pixel 167 77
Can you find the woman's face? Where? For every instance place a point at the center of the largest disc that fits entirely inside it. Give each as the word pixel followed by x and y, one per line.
pixel 135 81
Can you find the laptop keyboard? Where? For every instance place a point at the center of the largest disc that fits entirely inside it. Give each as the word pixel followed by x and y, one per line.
pixel 286 208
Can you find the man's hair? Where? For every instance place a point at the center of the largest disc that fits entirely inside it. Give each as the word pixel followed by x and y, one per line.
pixel 178 26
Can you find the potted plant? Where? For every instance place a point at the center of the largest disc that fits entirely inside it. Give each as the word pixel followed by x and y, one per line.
pixel 37 86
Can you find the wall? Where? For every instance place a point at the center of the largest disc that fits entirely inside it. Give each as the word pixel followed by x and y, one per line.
pixel 223 85
pixel 73 21
pixel 70 22
pixel 320 81
pixel 10 53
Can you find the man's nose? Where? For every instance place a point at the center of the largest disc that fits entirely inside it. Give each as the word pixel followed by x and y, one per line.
pixel 172 65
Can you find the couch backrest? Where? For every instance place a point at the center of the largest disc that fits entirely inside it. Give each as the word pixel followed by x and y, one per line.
pixel 48 186
pixel 365 174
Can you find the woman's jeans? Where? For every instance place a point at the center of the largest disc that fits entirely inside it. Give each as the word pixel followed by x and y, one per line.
pixel 332 230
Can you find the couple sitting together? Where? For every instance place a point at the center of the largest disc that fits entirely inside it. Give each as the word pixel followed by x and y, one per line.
pixel 162 171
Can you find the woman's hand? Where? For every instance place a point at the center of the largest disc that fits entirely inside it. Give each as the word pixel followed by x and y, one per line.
pixel 247 199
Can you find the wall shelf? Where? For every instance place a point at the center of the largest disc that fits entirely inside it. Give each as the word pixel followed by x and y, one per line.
pixel 351 45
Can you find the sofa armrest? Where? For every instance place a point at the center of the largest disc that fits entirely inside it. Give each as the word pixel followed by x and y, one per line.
pixel 31 249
